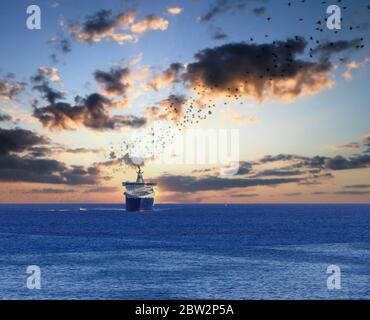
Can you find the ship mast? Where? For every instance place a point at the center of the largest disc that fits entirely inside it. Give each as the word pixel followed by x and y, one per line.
pixel 139 178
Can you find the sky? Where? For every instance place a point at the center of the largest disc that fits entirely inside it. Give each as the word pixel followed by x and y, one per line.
pixel 104 85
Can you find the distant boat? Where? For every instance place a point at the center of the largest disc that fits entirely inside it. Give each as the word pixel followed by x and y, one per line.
pixel 139 195
pixel 82 209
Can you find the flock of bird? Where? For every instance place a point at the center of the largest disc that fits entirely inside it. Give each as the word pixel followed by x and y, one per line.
pixel 200 103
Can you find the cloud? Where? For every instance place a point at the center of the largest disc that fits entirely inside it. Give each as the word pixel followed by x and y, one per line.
pixel 121 28
pixel 259 11
pixel 348 146
pixel 18 140
pixel 244 168
pixel 170 76
pixel 366 140
pixel 61 44
pixel 104 25
pixel 328 48
pixel 50 191
pixel 177 183
pixel 174 10
pixel 353 192
pixel 14 168
pixel 148 23
pixel 114 82
pixel 45 73
pixel 354 162
pixel 171 109
pixel 278 173
pixel 80 150
pixel 89 112
pixel 48 93
pixel 19 164
pixel 259 71
pixel 358 186
pixel 354 65
pixel 244 195
pixel 282 157
pixel 102 190
pixel 223 6
pixel 10 89
pixel 218 34
pixel 5 117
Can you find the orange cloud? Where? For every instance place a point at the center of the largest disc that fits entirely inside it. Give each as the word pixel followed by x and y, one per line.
pixel 174 10
pixel 150 22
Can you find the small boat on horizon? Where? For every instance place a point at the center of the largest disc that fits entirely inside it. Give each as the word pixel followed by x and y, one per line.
pixel 82 209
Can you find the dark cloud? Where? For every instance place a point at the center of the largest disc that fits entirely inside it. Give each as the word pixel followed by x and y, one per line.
pixel 259 11
pixel 345 192
pixel 48 93
pixel 61 44
pixel 193 184
pixel 14 168
pixel 244 195
pixel 18 140
pixel 19 161
pixel 40 152
pixel 50 191
pixel 218 34
pixel 102 190
pixel 104 25
pixel 281 157
pixel 223 6
pixel 80 150
pixel 293 194
pixel 328 48
pixel 358 186
pixel 278 173
pixel 323 163
pixel 90 112
pixel 113 81
pixel 316 162
pixel 5 117
pixel 353 192
pixel 354 162
pixel 259 70
pixel 244 168
pixel 65 46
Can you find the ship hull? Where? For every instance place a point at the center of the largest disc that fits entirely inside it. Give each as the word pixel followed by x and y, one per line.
pixel 139 204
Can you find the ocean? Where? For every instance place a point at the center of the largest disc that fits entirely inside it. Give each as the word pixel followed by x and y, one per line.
pixel 185 251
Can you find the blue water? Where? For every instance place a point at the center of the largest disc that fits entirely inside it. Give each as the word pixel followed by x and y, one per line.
pixel 185 251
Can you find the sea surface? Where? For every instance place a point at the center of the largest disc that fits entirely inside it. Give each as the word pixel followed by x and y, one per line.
pixel 185 251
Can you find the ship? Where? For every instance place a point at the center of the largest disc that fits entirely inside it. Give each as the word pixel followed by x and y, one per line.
pixel 139 195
